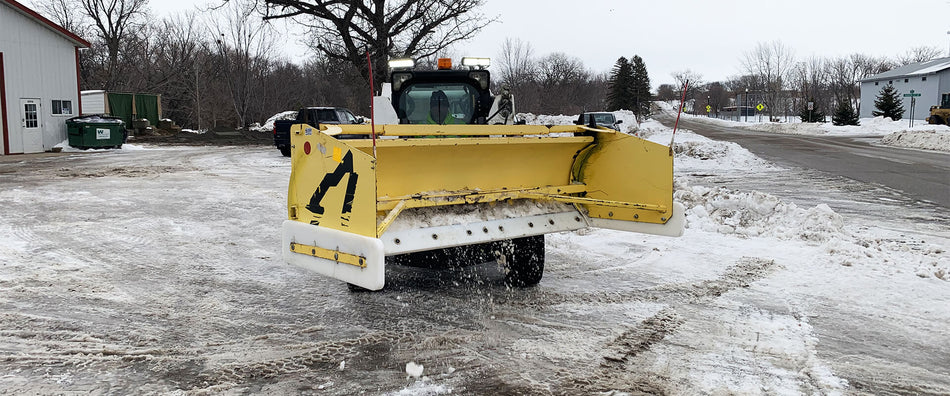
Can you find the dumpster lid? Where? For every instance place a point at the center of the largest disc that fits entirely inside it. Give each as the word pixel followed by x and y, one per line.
pixel 96 119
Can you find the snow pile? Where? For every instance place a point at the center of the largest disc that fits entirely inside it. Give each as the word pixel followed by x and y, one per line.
pixel 418 218
pixel 414 370
pixel 894 133
pixel 66 148
pixel 629 124
pixel 532 119
pixel 696 152
pixel 756 214
pixel 269 124
pixel 929 140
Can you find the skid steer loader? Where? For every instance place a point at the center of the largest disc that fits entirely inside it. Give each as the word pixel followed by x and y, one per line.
pixel 448 180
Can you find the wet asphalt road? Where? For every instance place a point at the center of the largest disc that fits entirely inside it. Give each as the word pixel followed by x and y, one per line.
pixel 921 174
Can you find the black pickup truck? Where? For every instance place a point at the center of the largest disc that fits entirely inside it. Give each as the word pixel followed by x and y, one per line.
pixel 313 116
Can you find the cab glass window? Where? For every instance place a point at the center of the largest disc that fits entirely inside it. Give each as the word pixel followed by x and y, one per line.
pixel 437 103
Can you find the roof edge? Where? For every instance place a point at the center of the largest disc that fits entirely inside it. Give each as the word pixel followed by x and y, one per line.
pixel 78 41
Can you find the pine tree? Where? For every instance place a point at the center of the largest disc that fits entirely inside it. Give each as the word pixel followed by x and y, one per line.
pixel 640 88
pixel 619 83
pixel 845 114
pixel 889 103
pixel 814 115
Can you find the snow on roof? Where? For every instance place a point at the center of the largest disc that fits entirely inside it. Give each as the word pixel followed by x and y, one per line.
pixel 913 69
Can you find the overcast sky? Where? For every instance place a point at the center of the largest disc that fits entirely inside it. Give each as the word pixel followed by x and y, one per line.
pixel 708 37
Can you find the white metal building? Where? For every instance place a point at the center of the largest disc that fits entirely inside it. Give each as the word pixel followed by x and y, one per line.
pixel 930 79
pixel 39 79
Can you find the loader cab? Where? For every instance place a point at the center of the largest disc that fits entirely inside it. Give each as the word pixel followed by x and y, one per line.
pixel 442 96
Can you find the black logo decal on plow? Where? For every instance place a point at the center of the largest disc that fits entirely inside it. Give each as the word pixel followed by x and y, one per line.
pixel 333 179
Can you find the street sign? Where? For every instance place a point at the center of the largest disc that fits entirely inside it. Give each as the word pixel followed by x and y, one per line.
pixel 911 94
pixel 760 107
pixel 708 108
pixel 811 106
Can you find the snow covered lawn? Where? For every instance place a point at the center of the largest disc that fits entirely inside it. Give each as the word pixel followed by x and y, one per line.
pixel 894 133
pixel 157 270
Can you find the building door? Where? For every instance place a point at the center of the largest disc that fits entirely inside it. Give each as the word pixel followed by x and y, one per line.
pixel 32 131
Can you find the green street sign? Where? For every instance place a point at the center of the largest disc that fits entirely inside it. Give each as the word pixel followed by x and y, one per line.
pixel 760 107
pixel 911 95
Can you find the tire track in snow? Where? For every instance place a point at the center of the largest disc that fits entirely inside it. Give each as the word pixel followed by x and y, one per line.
pixel 324 355
pixel 624 350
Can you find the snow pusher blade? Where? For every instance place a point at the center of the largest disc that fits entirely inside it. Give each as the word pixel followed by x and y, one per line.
pixel 342 201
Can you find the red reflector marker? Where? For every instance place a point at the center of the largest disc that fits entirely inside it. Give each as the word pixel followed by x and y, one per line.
pixel 306 148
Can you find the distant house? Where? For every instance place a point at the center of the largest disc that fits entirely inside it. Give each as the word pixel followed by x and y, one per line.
pixel 930 79
pixel 39 79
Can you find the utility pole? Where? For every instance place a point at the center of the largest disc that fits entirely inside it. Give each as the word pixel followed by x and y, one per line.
pixel 746 105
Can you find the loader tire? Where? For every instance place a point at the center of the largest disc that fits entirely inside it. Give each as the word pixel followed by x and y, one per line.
pixel 285 151
pixel 525 261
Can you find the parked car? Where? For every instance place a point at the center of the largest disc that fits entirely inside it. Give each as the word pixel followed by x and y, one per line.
pixel 601 119
pixel 313 116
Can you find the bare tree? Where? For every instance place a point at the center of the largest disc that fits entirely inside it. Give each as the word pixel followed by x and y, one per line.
pixel 771 63
pixel 919 54
pixel 113 20
pixel 845 73
pixel 245 44
pixel 516 63
pixel 346 30
pixel 681 77
pixel 562 78
pixel 64 13
pixel 517 67
pixel 695 82
pixel 810 79
pixel 666 92
pixel 178 52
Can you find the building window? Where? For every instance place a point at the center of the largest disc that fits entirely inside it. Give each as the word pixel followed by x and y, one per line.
pixel 890 82
pixel 923 79
pixel 906 80
pixel 62 107
pixel 877 82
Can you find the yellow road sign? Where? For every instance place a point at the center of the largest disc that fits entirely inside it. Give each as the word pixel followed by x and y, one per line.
pixel 708 108
pixel 760 107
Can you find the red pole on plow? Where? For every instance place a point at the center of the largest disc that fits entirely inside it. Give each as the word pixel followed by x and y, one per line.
pixel 677 123
pixel 372 91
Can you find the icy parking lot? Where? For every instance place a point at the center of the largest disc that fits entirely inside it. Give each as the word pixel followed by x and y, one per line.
pixel 157 270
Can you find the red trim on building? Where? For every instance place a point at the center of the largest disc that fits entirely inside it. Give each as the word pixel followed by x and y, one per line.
pixel 78 108
pixel 39 18
pixel 3 109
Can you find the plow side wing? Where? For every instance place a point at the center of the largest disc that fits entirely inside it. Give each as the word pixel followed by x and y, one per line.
pixel 624 168
pixel 331 204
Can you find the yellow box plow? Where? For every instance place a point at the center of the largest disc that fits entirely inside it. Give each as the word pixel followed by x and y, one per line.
pixel 342 201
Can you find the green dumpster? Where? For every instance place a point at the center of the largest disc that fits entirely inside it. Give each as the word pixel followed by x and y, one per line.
pixel 96 131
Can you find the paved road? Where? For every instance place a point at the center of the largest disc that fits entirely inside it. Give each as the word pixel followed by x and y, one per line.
pixel 924 175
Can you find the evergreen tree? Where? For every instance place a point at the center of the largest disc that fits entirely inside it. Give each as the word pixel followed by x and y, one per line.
pixel 619 86
pixel 814 115
pixel 889 103
pixel 845 114
pixel 640 88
